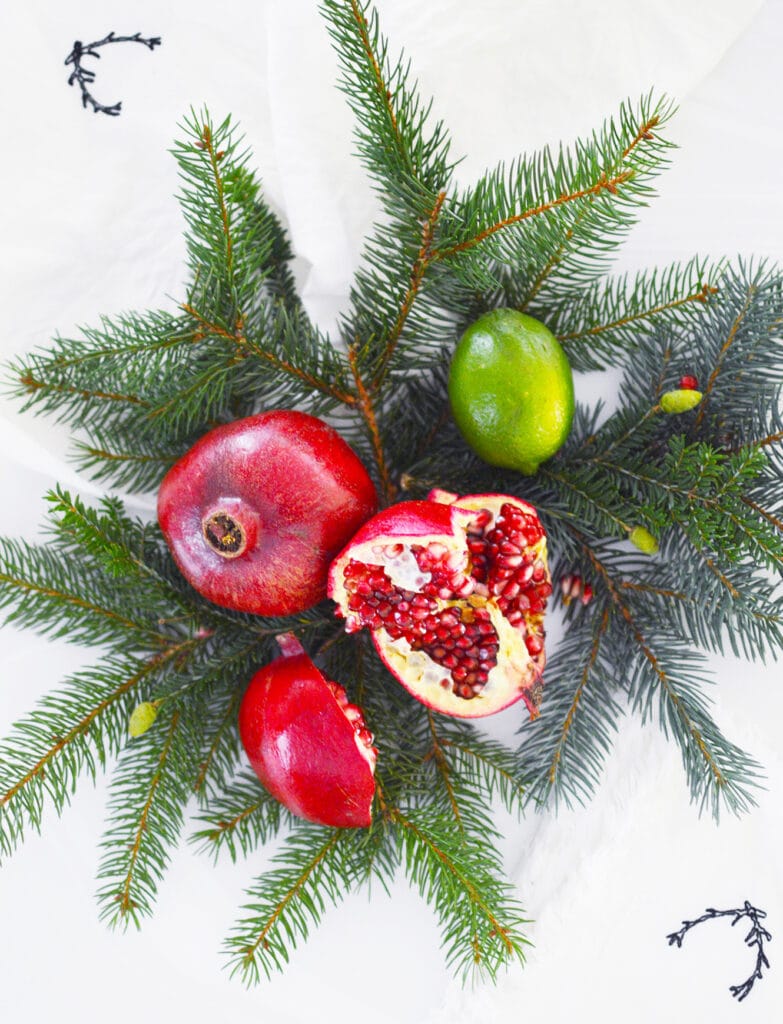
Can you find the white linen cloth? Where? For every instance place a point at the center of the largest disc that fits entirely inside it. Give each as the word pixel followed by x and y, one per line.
pixel 91 227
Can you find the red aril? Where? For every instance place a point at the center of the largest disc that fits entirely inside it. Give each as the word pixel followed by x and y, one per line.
pixel 257 509
pixel 454 592
pixel 308 745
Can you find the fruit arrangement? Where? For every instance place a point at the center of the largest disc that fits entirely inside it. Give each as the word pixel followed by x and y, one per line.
pixel 361 536
pixel 453 591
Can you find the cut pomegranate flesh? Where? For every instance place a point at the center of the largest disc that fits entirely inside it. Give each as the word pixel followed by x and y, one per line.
pixel 307 743
pixel 454 592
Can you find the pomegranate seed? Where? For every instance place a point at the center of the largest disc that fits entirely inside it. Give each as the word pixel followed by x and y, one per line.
pixel 534 645
pixel 510 561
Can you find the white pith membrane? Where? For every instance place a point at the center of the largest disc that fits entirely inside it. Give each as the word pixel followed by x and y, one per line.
pixel 471 624
pixel 361 734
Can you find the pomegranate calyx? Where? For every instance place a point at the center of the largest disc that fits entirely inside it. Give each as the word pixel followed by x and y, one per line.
pixel 289 645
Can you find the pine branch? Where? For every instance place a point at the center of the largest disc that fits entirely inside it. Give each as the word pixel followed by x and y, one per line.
pixel 608 317
pixel 565 750
pixel 485 765
pixel 72 731
pixel 150 787
pixel 62 598
pixel 315 868
pixel 420 266
pixel 480 918
pixel 222 753
pixel 242 816
pixel 717 771
pixel 286 331
pixel 546 227
pixel 408 159
pixel 595 188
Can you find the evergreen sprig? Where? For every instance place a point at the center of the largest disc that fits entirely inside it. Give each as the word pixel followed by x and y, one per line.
pixel 139 389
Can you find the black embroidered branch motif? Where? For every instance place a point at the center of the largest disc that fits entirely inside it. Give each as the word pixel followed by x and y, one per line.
pixel 84 77
pixel 756 937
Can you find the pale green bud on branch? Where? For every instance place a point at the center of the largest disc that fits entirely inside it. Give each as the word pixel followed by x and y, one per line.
pixel 142 718
pixel 681 400
pixel 643 540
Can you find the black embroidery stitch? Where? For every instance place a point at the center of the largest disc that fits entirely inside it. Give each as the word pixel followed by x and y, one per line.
pixel 757 936
pixel 85 77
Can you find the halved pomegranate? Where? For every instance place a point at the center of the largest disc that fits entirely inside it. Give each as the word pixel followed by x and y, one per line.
pixel 308 745
pixel 453 591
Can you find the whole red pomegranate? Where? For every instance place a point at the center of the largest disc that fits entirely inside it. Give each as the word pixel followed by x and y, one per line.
pixel 257 509
pixel 454 592
pixel 307 744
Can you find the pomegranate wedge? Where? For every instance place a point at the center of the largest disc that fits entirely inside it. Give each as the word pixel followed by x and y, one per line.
pixel 307 744
pixel 453 591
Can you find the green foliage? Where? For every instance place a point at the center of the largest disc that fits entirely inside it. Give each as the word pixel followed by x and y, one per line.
pixel 139 389
pixel 315 868
pixel 150 787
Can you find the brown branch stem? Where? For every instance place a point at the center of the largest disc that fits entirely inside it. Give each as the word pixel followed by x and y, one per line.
pixel 206 138
pixel 475 896
pixel 126 903
pixel 82 726
pixel 245 346
pixel 722 355
pixel 420 265
pixel 569 718
pixel 443 767
pixel 292 893
pixel 603 184
pixel 700 296
pixel 368 412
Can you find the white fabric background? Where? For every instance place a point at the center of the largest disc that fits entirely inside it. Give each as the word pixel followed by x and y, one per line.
pixel 90 227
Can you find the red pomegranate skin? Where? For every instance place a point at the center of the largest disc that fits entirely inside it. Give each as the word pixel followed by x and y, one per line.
pixel 295 489
pixel 303 747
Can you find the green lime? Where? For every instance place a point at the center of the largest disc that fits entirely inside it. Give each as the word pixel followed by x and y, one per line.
pixel 511 390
